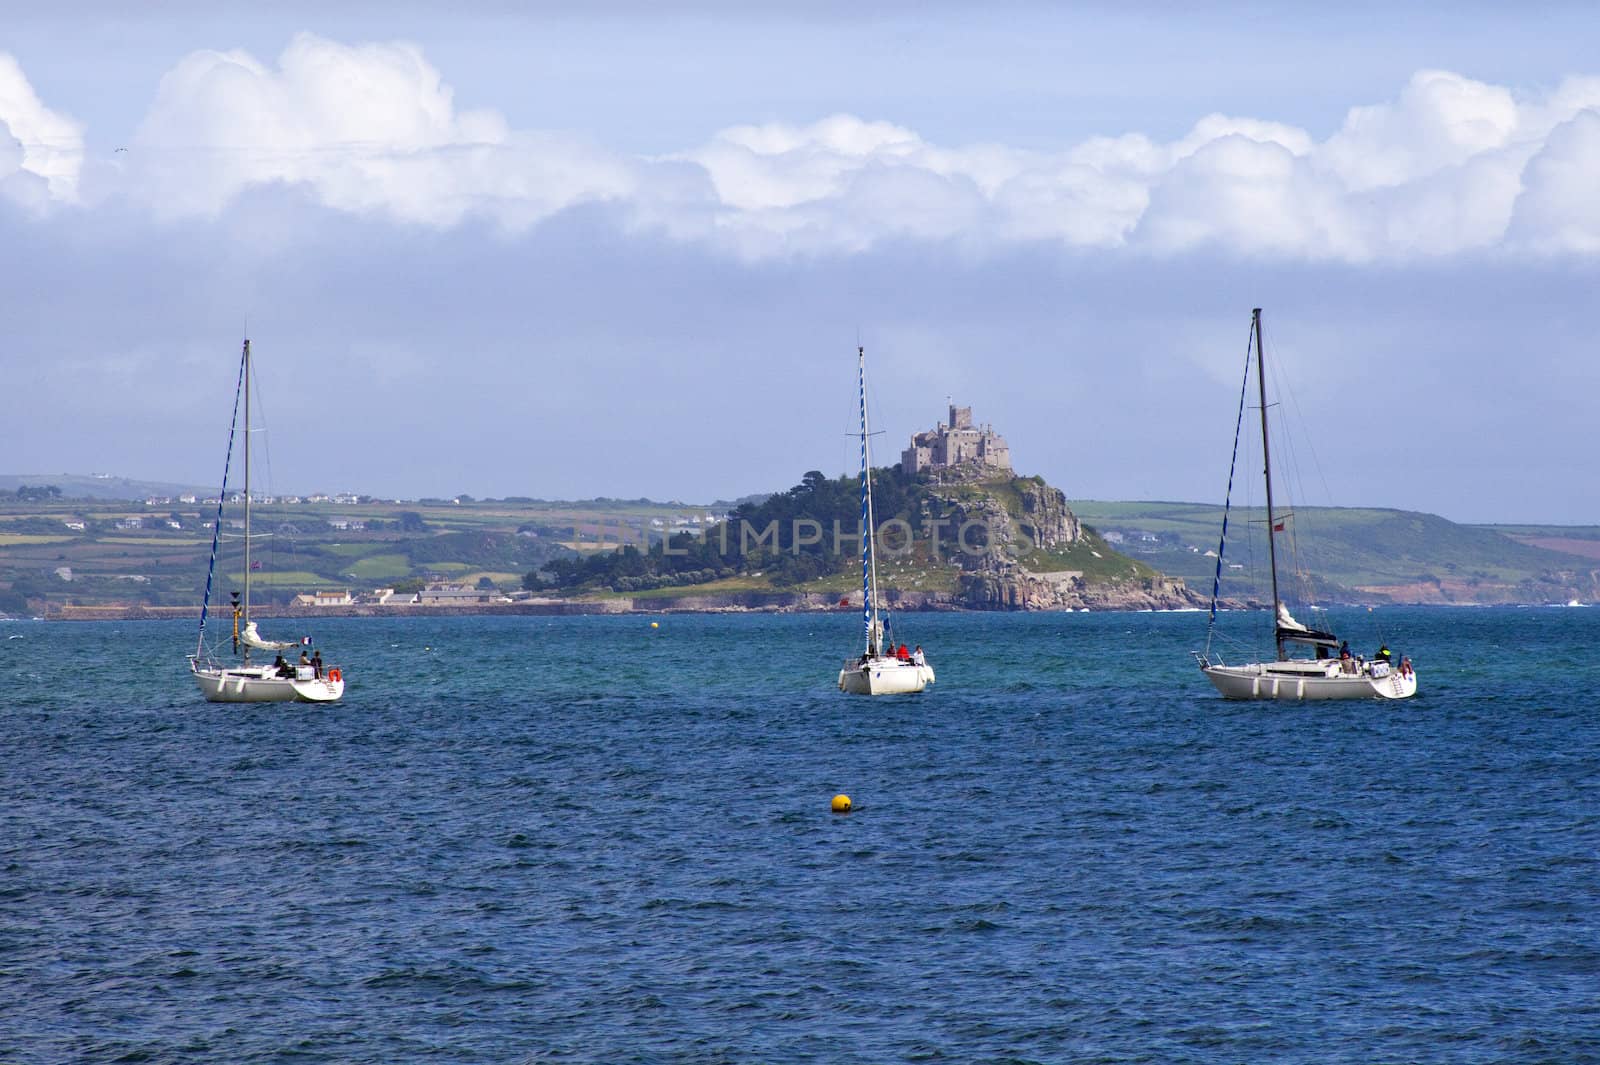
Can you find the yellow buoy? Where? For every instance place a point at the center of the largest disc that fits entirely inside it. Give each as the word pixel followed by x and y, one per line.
pixel 841 804
pixel 655 624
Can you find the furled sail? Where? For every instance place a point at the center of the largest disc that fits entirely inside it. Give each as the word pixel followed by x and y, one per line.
pixel 1290 629
pixel 875 636
pixel 252 638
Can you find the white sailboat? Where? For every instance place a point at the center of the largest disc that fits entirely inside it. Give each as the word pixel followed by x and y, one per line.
pixel 1330 672
pixel 241 680
pixel 878 671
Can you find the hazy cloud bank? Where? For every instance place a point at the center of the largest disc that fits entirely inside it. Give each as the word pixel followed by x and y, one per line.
pixel 1450 165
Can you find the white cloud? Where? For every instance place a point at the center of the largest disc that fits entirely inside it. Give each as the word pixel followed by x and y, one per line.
pixel 1250 196
pixel 1437 171
pixel 1449 166
pixel 369 128
pixel 41 151
pixel 1440 120
pixel 1559 210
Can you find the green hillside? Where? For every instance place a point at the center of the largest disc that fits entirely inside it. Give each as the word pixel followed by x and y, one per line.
pixel 56 550
pixel 1358 554
pixel 807 540
pixel 89 551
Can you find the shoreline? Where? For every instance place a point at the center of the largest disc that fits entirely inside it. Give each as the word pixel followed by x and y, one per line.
pixel 617 607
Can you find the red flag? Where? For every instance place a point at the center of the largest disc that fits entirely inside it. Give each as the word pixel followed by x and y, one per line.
pixel 1278 527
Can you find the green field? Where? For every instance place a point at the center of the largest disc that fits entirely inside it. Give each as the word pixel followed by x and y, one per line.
pixel 1346 549
pixel 380 567
pixel 1357 554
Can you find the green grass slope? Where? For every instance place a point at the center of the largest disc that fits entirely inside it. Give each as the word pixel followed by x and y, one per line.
pixel 1359 553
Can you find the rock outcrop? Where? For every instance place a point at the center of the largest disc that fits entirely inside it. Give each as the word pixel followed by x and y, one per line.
pixel 1013 522
pixel 1010 586
pixel 1046 521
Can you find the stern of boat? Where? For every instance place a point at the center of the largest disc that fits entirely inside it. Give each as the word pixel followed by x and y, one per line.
pixel 883 676
pixel 329 688
pixel 1396 685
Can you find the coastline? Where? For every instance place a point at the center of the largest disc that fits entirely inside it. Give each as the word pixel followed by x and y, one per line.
pixel 727 603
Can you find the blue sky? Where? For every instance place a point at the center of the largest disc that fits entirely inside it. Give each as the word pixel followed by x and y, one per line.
pixel 628 249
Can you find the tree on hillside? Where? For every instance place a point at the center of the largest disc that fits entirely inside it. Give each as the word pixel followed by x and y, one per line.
pixel 787 536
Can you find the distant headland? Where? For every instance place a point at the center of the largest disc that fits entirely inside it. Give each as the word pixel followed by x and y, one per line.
pixel 957 529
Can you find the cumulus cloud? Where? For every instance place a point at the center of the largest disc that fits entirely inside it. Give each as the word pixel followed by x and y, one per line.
pixel 41 151
pixel 366 129
pixel 1449 166
pixel 1558 210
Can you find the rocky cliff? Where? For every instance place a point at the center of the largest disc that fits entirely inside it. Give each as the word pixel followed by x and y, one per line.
pixel 1036 555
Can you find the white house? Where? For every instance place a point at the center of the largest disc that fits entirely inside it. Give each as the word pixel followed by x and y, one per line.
pixel 322 598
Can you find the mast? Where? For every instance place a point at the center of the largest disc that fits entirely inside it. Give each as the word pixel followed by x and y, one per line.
pixel 1266 463
pixel 222 495
pixel 869 557
pixel 247 492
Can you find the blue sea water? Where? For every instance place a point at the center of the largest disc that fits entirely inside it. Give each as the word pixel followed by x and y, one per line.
pixel 583 839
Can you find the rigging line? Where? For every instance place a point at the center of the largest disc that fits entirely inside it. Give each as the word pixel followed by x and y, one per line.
pixel 222 494
pixel 1233 463
pixel 1305 565
pixel 1258 623
pixel 1310 442
pixel 264 450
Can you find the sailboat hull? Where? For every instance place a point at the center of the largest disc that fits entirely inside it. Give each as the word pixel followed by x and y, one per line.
pixel 884 676
pixel 1283 681
pixel 258 684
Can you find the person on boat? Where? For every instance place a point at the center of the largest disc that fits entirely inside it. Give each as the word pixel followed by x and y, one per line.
pixel 903 653
pixel 316 664
pixel 280 667
pixel 917 657
pixel 1346 663
pixel 1405 666
pixel 1382 655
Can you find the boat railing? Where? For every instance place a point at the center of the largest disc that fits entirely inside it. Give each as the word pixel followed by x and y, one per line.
pixel 857 662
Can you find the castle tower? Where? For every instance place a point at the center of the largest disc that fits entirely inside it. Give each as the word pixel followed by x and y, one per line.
pixel 958 443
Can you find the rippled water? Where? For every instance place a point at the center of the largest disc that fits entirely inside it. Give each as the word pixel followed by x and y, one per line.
pixel 529 839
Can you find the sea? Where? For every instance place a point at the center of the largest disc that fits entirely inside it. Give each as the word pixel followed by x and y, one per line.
pixel 610 839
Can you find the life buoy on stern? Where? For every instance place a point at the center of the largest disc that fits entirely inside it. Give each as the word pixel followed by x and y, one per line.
pixel 335 676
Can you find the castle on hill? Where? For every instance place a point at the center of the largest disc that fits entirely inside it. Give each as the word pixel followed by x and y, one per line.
pixel 957 443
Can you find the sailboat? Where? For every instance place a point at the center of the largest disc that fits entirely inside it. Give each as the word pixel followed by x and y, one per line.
pixel 1330 672
pixel 242 680
pixel 878 671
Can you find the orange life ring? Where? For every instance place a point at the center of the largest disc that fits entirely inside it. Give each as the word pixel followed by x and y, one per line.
pixel 335 676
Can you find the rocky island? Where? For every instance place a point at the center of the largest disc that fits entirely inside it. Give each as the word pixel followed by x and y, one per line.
pixel 956 529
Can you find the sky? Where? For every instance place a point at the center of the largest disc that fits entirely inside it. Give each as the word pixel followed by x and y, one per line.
pixel 568 250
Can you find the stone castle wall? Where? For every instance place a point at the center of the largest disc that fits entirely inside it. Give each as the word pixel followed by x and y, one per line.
pixel 958 442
